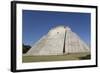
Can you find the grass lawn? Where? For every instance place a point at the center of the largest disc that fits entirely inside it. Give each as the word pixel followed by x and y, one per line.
pixel 75 56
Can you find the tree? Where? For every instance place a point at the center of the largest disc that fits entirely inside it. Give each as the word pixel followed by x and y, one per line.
pixel 26 48
pixel 85 57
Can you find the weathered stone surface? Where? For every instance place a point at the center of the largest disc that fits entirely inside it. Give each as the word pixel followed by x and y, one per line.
pixel 59 40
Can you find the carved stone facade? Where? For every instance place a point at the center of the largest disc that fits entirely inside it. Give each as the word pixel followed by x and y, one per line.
pixel 58 41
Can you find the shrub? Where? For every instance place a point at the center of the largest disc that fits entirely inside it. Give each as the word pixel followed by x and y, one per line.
pixel 26 48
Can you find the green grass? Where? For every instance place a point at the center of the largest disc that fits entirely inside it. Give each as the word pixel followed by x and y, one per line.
pixel 75 56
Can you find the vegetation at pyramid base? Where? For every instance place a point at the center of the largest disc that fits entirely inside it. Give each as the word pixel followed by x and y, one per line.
pixel 85 57
pixel 26 48
pixel 64 57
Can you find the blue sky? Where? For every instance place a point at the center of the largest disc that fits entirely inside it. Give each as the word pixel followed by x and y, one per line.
pixel 38 23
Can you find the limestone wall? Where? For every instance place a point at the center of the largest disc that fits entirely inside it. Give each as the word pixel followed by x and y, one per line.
pixel 74 44
pixel 53 43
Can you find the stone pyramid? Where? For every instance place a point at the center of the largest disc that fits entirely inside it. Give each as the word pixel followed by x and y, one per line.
pixel 58 41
